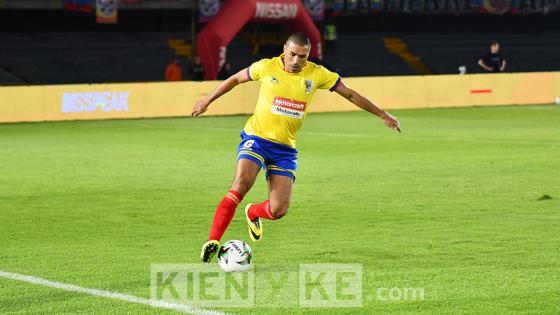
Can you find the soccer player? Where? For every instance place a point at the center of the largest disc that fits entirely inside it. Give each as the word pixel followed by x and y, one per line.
pixel 268 140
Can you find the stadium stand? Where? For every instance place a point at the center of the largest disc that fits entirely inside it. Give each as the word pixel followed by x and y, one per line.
pixel 139 47
pixel 90 57
pixel 352 51
pixel 365 55
pixel 86 57
pixel 9 78
pixel 444 53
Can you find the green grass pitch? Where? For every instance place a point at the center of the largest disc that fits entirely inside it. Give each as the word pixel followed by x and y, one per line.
pixel 465 204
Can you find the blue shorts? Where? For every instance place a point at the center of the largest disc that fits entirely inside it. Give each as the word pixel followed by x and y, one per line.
pixel 275 158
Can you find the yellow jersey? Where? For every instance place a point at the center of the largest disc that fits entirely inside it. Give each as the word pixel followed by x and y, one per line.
pixel 284 98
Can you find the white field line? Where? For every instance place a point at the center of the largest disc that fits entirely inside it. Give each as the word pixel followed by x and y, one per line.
pixel 107 294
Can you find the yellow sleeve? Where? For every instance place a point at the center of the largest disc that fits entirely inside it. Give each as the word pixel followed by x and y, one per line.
pixel 255 70
pixel 329 80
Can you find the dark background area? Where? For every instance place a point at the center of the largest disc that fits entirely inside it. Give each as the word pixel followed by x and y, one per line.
pixel 57 46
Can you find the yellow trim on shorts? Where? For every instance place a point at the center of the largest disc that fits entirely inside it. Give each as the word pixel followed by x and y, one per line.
pixel 253 154
pixel 276 168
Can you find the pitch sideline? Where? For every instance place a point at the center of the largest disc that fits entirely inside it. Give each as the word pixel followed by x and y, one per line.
pixel 107 294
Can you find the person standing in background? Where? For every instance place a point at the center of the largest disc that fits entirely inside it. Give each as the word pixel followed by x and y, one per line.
pixel 493 61
pixel 197 69
pixel 330 36
pixel 174 71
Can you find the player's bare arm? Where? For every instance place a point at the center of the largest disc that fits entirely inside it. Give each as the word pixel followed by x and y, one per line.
pixel 202 105
pixel 365 104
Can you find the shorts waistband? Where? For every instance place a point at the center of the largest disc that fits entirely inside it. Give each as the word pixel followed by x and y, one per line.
pixel 284 146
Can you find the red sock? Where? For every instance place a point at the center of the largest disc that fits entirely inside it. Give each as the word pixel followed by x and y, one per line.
pixel 224 214
pixel 261 210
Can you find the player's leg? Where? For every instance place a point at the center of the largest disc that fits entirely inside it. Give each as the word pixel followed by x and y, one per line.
pixel 247 171
pixel 280 192
pixel 245 176
pixel 280 172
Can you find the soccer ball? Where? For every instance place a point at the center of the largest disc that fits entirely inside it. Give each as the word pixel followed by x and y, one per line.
pixel 235 256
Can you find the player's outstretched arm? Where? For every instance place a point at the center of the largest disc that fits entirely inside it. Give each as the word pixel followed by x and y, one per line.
pixel 365 104
pixel 202 105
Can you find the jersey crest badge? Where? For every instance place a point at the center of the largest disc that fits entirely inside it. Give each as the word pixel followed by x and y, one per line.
pixel 308 86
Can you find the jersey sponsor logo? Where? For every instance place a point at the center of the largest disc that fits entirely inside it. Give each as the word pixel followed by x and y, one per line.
pixel 276 10
pixel 289 108
pixel 308 86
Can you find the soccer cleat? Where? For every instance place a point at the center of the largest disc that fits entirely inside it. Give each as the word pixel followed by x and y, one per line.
pixel 255 226
pixel 209 250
